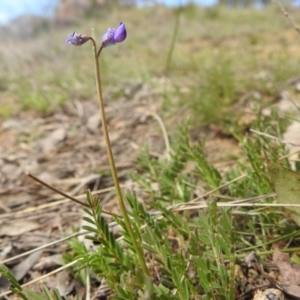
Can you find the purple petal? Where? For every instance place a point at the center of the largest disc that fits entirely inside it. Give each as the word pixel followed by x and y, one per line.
pixel 113 36
pixel 76 39
pixel 108 38
pixel 120 34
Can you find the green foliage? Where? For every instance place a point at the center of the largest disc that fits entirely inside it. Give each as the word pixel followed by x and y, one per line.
pixel 169 173
pixel 15 285
pixel 213 242
pixel 214 95
pixel 258 149
pixel 39 97
pixel 47 295
pixel 286 184
pixel 28 294
pixel 6 110
pixel 206 171
pixel 174 183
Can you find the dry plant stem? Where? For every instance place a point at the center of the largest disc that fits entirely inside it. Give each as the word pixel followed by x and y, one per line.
pixel 63 194
pixel 52 205
pixel 43 247
pixel 274 137
pixel 55 190
pixel 265 205
pixel 290 154
pixel 121 203
pixel 220 187
pixel 164 132
pixel 285 13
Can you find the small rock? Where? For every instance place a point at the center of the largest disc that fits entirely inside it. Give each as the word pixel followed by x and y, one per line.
pixel 268 294
pixel 131 89
pixel 51 141
pixel 297 86
pixel 93 123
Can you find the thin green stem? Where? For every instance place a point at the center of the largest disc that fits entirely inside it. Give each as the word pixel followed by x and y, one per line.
pixel 173 41
pixel 121 203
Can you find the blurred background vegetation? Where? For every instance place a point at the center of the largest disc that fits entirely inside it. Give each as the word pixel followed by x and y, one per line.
pixel 231 55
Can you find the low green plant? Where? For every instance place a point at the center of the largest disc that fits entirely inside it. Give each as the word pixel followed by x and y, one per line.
pixel 174 257
pixel 213 243
pixel 174 184
pixel 189 255
pixel 6 110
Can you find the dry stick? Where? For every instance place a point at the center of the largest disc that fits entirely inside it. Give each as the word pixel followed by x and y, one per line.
pixel 43 247
pixel 56 190
pixel 290 154
pixel 54 203
pixel 274 137
pixel 255 198
pixel 62 193
pixel 32 209
pixel 288 17
pixel 164 132
pixel 279 140
pixel 224 204
pixel 220 187
pixel 182 205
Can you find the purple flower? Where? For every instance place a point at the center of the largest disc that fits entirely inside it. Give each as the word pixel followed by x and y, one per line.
pixel 114 36
pixel 76 39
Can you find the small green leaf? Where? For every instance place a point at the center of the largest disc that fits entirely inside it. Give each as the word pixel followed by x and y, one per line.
pixel 89 220
pixel 47 293
pixel 287 186
pixel 90 229
pixel 34 295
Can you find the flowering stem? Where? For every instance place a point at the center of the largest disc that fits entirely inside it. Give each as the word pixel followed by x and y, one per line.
pixel 136 246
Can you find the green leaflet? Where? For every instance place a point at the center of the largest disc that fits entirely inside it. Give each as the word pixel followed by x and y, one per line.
pixel 287 186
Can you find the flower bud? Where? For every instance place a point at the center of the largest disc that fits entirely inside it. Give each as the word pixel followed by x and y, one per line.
pixel 114 36
pixel 76 39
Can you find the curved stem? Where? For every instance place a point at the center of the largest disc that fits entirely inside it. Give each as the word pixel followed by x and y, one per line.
pixel 121 203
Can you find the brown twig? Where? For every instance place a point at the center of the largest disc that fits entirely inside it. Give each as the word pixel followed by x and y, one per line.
pixel 287 15
pixel 55 190
pixel 65 195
